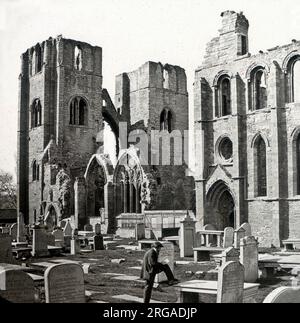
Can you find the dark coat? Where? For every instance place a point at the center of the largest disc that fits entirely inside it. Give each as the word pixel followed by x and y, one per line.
pixel 149 266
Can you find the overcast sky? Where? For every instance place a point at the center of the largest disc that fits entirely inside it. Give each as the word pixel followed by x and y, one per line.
pixel 130 32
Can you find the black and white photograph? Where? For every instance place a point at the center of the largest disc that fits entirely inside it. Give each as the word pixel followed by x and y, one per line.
pixel 149 154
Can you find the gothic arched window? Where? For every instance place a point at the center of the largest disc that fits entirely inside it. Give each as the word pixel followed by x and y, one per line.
pixel 78 58
pixel 223 97
pixel 258 89
pixel 78 111
pixel 260 165
pixel 35 171
pixel 298 164
pixel 166 120
pixel 38 59
pixel 36 114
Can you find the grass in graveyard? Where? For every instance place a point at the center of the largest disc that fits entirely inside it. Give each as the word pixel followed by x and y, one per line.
pixel 105 286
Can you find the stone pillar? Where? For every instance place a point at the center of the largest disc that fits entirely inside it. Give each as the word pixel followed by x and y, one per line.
pixel 187 236
pixel 21 228
pixel 80 202
pixel 131 198
pixel 125 197
pixel 75 243
pixel 137 201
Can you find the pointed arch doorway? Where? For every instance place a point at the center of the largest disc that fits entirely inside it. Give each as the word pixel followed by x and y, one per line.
pixel 221 206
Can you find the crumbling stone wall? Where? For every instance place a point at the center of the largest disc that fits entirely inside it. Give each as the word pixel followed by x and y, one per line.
pixel 275 216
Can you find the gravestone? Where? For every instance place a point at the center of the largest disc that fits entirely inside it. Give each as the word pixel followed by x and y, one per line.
pixel 68 229
pixel 16 286
pixel 284 295
pixel 97 228
pixel 230 254
pixel 21 234
pixel 140 231
pixel 5 249
pixel 166 256
pixel 13 231
pixel 187 236
pixel 228 237
pixel 75 243
pixel 230 283
pixel 98 242
pixel 64 283
pixel 39 243
pixel 88 227
pixel 50 239
pixel 247 227
pixel 238 235
pixel 59 238
pixel 249 258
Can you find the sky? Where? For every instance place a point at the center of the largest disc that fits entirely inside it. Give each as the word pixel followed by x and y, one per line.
pixel 130 33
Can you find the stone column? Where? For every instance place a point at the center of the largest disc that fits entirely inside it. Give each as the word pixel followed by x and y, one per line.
pixel 21 228
pixel 80 202
pixel 131 198
pixel 125 197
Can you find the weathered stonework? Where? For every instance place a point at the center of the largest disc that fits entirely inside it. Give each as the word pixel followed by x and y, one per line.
pixel 63 172
pixel 274 216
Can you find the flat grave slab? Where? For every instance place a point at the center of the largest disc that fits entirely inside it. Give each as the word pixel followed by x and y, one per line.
pixel 134 299
pixel 136 268
pixel 210 288
pixel 133 248
pixel 128 278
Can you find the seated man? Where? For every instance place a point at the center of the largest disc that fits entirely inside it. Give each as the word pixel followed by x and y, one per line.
pixel 151 267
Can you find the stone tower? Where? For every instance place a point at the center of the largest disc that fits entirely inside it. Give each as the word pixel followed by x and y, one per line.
pixel 60 114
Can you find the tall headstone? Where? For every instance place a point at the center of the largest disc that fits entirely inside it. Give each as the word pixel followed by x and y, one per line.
pixel 249 258
pixel 13 231
pixel 40 243
pixel 284 295
pixel 228 237
pixel 75 243
pixel 231 283
pixel 230 254
pixel 16 286
pixel 97 228
pixel 140 231
pixel 98 242
pixel 21 235
pixel 247 227
pixel 166 256
pixel 238 235
pixel 64 283
pixel 59 237
pixel 5 249
pixel 68 229
pixel 187 236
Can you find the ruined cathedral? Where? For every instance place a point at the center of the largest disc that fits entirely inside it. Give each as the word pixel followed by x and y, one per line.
pixel 246 133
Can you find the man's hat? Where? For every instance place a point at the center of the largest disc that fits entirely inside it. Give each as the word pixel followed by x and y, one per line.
pixel 157 244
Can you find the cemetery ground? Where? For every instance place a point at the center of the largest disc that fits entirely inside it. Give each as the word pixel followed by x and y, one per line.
pixel 112 275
